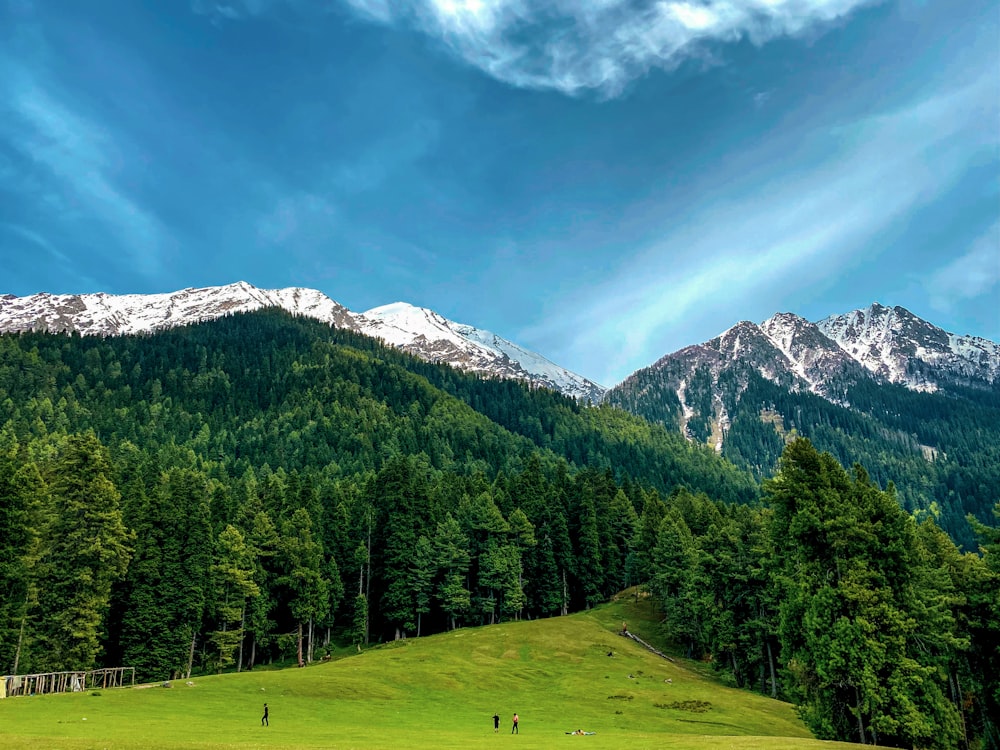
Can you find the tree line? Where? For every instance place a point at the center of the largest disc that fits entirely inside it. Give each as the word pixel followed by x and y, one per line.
pixel 114 558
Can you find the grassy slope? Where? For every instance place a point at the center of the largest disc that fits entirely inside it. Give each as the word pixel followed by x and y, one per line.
pixel 435 692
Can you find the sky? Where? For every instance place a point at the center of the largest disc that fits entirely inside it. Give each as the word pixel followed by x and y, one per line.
pixel 601 181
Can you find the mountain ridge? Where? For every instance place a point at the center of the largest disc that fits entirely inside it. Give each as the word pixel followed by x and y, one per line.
pixel 889 344
pixel 882 339
pixel 916 405
pixel 418 331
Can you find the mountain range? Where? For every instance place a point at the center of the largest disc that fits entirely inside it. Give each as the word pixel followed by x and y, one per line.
pixel 879 344
pixel 416 330
pixel 889 345
pixel 914 404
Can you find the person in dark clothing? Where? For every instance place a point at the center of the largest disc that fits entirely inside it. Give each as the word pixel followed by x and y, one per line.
pixel 513 729
pixel 496 723
pixel 263 719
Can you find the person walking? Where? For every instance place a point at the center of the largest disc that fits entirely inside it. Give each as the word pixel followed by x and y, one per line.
pixel 513 729
pixel 263 719
pixel 496 723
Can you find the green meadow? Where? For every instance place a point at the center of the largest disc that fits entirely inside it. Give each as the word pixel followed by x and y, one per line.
pixel 435 692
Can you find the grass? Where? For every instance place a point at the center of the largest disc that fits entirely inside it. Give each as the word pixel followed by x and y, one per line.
pixel 435 692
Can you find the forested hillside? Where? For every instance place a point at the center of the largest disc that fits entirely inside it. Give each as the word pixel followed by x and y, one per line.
pixel 941 449
pixel 261 475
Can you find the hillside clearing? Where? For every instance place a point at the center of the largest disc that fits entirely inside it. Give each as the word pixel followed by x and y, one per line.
pixel 435 692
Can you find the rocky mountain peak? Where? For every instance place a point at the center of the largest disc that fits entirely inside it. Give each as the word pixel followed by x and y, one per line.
pixel 900 347
pixel 887 344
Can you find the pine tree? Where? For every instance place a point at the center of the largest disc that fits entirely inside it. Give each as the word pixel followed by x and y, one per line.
pixel 301 559
pixel 22 500
pixel 982 584
pixel 262 541
pixel 400 494
pixel 232 575
pixel 675 581
pixel 167 578
pixel 422 572
pixel 588 553
pixel 87 548
pixel 852 615
pixel 452 553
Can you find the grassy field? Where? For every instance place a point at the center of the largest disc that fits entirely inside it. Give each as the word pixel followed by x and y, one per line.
pixel 435 692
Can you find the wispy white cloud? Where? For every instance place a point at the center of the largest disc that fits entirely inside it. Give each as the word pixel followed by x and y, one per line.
pixel 796 227
pixel 36 240
pixel 22 246
pixel 313 214
pixel 377 10
pixel 230 9
pixel 974 274
pixel 602 45
pixel 79 166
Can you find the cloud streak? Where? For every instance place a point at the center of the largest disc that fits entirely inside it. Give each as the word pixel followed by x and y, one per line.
pixel 79 163
pixel 599 45
pixel 797 227
pixel 974 274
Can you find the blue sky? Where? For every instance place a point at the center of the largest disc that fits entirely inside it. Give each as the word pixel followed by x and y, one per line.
pixel 603 182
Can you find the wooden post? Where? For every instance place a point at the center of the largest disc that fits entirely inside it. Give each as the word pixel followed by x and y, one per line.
pixel 194 638
pixel 243 636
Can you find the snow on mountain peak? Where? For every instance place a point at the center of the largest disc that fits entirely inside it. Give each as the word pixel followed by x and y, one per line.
pixel 895 344
pixel 420 331
pixel 434 337
pixel 889 343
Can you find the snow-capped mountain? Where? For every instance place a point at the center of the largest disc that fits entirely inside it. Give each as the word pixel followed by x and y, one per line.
pixel 693 386
pixel 896 345
pixel 785 349
pixel 428 335
pixel 113 315
pixel 420 332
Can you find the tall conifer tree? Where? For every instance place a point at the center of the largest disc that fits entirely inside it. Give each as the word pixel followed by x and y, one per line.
pixel 87 548
pixel 851 618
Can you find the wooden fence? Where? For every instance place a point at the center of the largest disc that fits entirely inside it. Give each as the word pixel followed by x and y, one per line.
pixel 637 639
pixel 68 682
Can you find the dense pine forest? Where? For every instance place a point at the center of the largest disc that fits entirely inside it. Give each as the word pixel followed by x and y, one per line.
pixel 263 488
pixel 941 449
